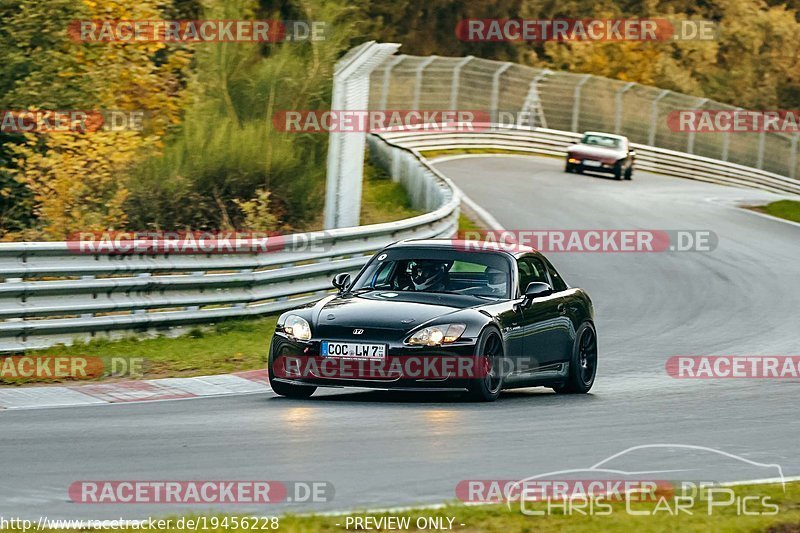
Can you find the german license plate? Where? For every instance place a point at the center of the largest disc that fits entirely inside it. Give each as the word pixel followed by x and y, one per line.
pixel 353 350
pixel 590 163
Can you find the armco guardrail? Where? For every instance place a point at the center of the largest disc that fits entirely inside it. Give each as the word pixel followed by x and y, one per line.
pixel 554 142
pixel 51 293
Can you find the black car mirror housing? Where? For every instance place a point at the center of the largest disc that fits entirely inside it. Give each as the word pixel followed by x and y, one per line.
pixel 341 281
pixel 537 289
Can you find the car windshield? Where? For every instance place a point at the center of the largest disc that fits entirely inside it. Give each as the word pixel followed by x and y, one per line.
pixel 601 140
pixel 481 274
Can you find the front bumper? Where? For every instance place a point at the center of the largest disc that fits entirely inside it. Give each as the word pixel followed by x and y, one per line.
pixel 413 368
pixel 604 167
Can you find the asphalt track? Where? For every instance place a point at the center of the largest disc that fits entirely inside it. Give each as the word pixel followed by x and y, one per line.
pixel 383 450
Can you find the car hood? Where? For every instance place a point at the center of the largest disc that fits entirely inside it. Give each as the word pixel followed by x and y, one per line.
pixel 585 151
pixel 384 314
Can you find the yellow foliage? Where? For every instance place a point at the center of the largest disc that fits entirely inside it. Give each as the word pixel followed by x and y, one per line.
pixel 76 181
pixel 79 180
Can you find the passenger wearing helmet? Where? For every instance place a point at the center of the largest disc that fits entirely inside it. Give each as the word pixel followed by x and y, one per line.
pixel 429 275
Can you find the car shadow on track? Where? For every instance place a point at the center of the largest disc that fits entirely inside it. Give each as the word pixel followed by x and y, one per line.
pixel 601 175
pixel 541 395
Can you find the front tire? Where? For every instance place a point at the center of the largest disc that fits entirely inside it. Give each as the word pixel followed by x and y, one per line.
pixel 629 173
pixel 618 171
pixel 583 364
pixel 288 390
pixel 487 387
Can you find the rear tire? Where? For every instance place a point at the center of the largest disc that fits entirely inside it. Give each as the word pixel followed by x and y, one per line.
pixel 287 389
pixel 487 388
pixel 583 364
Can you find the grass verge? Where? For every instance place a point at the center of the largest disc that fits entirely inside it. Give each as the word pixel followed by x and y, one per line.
pixel 430 154
pixel 382 199
pixel 229 346
pixel 786 209
pixel 656 517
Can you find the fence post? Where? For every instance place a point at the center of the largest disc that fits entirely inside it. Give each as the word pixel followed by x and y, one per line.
pixel 690 137
pixel 418 81
pixel 651 138
pixel 533 103
pixel 345 163
pixel 496 89
pixel 454 85
pixel 793 156
pixel 387 77
pixel 576 109
pixel 618 111
pixel 726 141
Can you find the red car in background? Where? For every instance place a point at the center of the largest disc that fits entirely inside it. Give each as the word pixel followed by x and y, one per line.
pixel 601 152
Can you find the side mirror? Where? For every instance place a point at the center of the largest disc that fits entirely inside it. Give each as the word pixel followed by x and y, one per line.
pixel 537 289
pixel 341 281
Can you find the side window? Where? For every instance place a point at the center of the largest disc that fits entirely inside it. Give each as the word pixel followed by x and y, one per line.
pixel 382 275
pixel 531 269
pixel 525 275
pixel 558 283
pixel 539 270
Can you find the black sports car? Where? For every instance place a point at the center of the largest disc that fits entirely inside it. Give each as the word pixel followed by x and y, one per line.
pixel 441 315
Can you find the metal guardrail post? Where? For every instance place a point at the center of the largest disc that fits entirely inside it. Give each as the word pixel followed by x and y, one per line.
pixel 690 136
pixel 762 144
pixel 455 83
pixel 651 137
pixel 793 156
pixel 496 89
pixel 418 81
pixel 576 109
pixel 618 108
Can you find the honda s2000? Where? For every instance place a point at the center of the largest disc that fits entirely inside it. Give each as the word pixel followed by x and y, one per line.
pixel 441 315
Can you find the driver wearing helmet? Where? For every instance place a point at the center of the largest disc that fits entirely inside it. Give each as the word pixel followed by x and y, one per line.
pixel 496 281
pixel 430 275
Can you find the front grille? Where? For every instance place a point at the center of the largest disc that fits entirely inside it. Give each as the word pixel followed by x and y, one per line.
pixel 345 333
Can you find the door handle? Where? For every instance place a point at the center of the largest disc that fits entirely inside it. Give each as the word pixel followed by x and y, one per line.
pixel 562 309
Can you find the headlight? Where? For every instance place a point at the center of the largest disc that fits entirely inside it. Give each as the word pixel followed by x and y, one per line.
pixel 436 335
pixel 297 327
